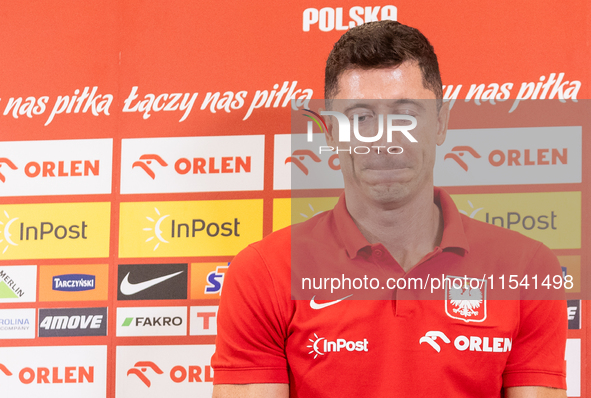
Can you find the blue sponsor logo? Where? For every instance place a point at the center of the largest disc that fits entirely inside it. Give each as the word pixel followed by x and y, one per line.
pixel 73 282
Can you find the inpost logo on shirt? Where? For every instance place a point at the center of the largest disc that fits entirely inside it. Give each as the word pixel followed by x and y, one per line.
pixel 554 218
pixel 73 282
pixel 195 228
pixel 56 230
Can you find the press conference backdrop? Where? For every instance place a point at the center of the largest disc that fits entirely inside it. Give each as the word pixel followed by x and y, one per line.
pixel 143 144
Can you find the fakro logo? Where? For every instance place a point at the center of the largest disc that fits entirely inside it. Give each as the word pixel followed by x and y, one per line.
pixel 329 18
pixel 9 163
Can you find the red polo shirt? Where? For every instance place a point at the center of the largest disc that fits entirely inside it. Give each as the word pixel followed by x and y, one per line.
pixel 452 346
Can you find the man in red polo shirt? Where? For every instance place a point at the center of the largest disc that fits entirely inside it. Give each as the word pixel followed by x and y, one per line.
pixel 392 224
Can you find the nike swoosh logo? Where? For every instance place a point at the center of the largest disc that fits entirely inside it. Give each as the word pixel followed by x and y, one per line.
pixel 132 288
pixel 316 306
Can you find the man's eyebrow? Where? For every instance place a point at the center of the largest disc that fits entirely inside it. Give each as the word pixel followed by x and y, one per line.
pixel 397 102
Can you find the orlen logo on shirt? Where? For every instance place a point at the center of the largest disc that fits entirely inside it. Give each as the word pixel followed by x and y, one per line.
pixel 328 19
pixel 59 167
pixel 322 346
pixel 192 164
pixel 542 155
pixel 437 339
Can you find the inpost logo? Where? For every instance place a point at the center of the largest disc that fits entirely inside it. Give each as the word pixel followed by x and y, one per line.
pixel 367 128
pixel 541 155
pixel 328 19
pixel 289 211
pixel 192 164
pixel 322 346
pixel 57 167
pixel 60 230
pixel 198 228
pixel 553 218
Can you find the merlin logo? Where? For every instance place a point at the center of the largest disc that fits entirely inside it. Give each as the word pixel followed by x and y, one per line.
pixel 9 163
pixel 152 282
pixel 58 322
pixel 140 368
pixel 472 343
pixel 146 160
pixel 18 283
pixel 335 346
pixel 73 282
pixel 461 150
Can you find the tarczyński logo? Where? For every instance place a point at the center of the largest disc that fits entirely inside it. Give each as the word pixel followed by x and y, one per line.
pixel 9 163
pixel 461 150
pixel 146 160
pixel 140 368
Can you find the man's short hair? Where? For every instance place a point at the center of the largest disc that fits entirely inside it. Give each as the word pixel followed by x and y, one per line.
pixel 382 44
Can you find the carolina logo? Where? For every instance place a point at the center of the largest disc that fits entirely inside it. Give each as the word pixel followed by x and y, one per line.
pixel 9 163
pixel 461 150
pixel 146 160
pixel 156 229
pixel 465 298
pixel 335 346
pixel 140 368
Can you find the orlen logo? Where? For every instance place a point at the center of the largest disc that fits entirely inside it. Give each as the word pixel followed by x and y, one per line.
pixel 329 18
pixel 512 157
pixel 9 163
pixel 54 375
pixel 321 346
pixel 344 127
pixel 458 151
pixel 178 373
pixel 299 156
pixel 73 282
pixel 472 343
pixel 145 161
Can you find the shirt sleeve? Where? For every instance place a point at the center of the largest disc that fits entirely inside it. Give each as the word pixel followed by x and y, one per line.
pixel 250 342
pixel 537 354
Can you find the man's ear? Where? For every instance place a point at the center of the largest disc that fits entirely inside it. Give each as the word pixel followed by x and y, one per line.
pixel 442 121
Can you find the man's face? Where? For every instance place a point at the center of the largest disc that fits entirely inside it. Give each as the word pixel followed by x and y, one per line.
pixel 383 177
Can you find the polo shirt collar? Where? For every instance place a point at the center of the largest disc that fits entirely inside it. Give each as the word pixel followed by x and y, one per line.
pixel 454 235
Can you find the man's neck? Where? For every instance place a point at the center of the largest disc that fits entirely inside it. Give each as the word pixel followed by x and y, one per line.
pixel 409 231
